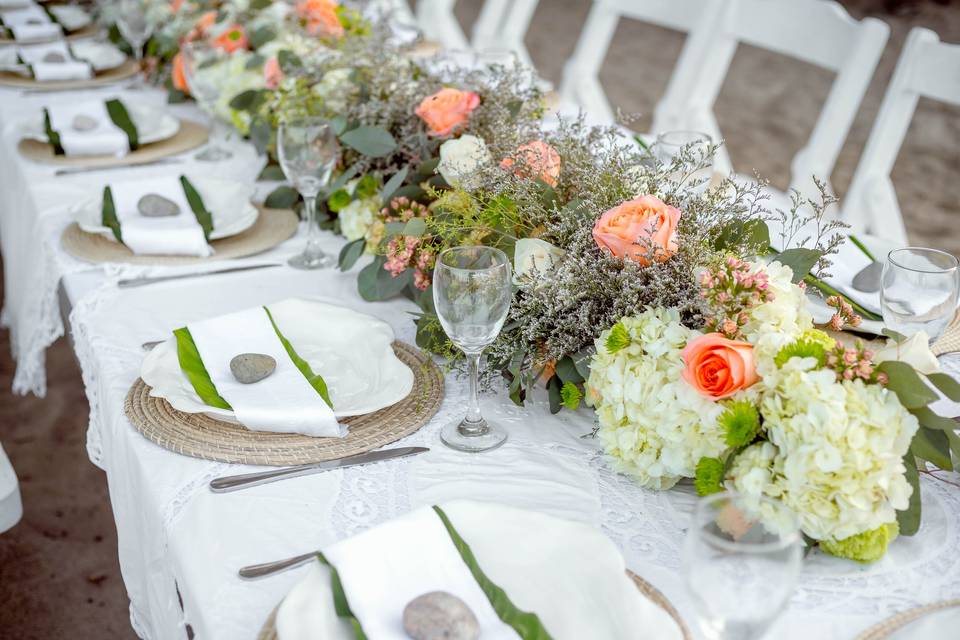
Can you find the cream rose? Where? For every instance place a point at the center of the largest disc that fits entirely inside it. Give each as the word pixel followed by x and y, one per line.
pixel 915 351
pixel 460 158
pixel 534 254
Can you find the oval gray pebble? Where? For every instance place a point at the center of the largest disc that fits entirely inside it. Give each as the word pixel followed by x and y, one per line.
pixel 153 205
pixel 84 123
pixel 440 615
pixel 248 368
pixel 54 56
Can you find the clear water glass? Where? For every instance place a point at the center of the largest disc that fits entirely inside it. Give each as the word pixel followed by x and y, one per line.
pixel 134 24
pixel 740 569
pixel 472 289
pixel 199 60
pixel 669 144
pixel 919 290
pixel 308 152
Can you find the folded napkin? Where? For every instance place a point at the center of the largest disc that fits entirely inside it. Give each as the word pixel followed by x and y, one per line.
pixel 569 574
pixel 29 32
pixel 186 233
pixel 68 68
pixel 290 400
pixel 30 14
pixel 113 134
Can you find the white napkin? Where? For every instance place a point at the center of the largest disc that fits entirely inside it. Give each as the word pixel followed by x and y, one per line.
pixel 15 4
pixel 568 573
pixel 71 70
pixel 384 568
pixel 28 32
pixel 284 402
pixel 35 53
pixel 106 139
pixel 174 235
pixel 24 15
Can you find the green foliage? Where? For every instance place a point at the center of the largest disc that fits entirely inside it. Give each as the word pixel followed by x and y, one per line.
pixel 376 284
pixel 618 338
pixel 741 422
pixel 370 141
pixel 282 197
pixel 394 183
pixel 800 261
pixel 709 476
pixel 909 518
pixel 271 172
pixel 555 393
pixel 350 253
pixel 907 384
pixel 737 234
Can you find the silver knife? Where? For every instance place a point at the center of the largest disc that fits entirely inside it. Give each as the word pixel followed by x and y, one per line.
pixel 138 282
pixel 233 483
pixel 69 171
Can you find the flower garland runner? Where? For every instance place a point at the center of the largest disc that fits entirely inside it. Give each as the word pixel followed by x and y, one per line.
pixel 640 290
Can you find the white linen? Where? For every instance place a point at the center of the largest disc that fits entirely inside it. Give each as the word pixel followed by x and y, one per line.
pixel 34 53
pixel 175 235
pixel 106 139
pixel 15 4
pixel 285 401
pixel 31 14
pixel 71 70
pixel 29 32
pixel 384 568
pixel 11 508
pixel 568 573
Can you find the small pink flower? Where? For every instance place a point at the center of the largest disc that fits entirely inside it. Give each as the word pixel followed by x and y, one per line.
pixel 272 74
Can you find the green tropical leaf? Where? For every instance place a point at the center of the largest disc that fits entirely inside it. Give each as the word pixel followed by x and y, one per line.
pixel 376 284
pixel 108 216
pixel 800 261
pixel 350 253
pixel 282 197
pixel 192 366
pixel 204 219
pixel 118 114
pixel 340 603
pixel 907 384
pixel 374 142
pixel 52 136
pixel 315 379
pixel 909 519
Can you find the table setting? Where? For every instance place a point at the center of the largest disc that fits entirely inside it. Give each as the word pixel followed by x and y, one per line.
pixel 467 373
pixel 30 22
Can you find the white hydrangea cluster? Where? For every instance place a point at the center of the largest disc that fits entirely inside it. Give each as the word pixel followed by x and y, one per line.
pixel 654 425
pixel 835 450
pixel 772 325
pixel 356 217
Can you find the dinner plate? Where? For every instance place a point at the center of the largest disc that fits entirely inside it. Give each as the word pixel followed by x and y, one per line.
pixel 228 202
pixel 351 350
pixel 153 124
pixel 102 57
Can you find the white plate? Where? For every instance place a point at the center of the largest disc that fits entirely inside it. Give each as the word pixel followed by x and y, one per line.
pixel 228 202
pixel 153 124
pixel 351 350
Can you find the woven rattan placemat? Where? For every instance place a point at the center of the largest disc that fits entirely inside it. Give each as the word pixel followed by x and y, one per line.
pixel 882 630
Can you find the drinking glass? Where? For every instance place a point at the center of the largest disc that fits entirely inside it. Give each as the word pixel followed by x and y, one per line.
pixel 134 25
pixel 199 61
pixel 669 144
pixel 471 292
pixel 740 570
pixel 919 290
pixel 308 153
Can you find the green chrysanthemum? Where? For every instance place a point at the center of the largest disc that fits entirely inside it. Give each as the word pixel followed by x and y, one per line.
pixel 709 477
pixel 740 422
pixel 808 345
pixel 619 338
pixel 571 396
pixel 863 547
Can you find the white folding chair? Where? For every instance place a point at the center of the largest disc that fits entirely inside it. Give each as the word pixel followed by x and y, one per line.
pixel 438 22
pixel 818 32
pixel 929 68
pixel 505 27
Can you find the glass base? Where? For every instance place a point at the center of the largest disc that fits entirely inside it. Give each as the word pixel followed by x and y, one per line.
pixel 307 261
pixel 473 437
pixel 214 153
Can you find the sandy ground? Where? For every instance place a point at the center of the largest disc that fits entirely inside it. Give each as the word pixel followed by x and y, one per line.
pixel 59 576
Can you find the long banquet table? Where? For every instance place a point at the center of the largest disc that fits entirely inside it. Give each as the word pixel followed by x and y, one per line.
pixel 180 545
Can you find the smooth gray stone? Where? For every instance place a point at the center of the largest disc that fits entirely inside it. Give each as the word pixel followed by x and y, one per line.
pixel 440 615
pixel 248 368
pixel 153 205
pixel 54 56
pixel 84 123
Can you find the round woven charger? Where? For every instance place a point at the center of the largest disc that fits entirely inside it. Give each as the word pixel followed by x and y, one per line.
pixel 882 630
pixel 272 227
pixel 79 34
pixel 200 436
pixel 269 631
pixel 190 136
pixel 127 70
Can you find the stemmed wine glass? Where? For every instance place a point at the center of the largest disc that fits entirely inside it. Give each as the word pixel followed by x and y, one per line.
pixel 308 152
pixel 135 26
pixel 919 290
pixel 669 144
pixel 741 562
pixel 198 59
pixel 471 293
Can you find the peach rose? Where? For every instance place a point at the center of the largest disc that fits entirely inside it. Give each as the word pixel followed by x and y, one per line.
pixel 320 17
pixel 272 73
pixel 538 160
pixel 178 74
pixel 718 367
pixel 233 39
pixel 201 27
pixel 447 110
pixel 646 220
pixel 176 5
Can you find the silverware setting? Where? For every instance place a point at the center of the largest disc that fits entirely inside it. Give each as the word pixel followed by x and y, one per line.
pixel 139 282
pixel 69 171
pixel 265 569
pixel 243 481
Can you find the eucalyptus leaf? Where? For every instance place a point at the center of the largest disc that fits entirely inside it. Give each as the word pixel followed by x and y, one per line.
pixel 344 178
pixel 411 191
pixel 282 197
pixel 946 384
pixel 376 284
pixel 554 393
pixel 289 61
pixel 800 260
pixel 415 227
pixel 374 142
pixel 933 447
pixel 932 420
pixel 907 384
pixel 254 62
pixel 426 169
pixel 754 233
pixel 261 36
pixel 582 359
pixel 394 228
pixel 271 172
pixel 896 336
pixel 394 183
pixel 567 370
pixel 261 133
pixel 246 100
pixel 339 124
pixel 350 253
pixel 909 519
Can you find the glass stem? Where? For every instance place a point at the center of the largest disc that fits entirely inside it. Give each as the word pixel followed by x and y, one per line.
pixel 473 424
pixel 313 225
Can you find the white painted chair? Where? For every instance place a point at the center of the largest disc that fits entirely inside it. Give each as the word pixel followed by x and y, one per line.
pixel 818 32
pixel 11 508
pixel 438 23
pixel 928 68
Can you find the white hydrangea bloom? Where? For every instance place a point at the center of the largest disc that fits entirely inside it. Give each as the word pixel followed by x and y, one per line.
pixel 774 324
pixel 336 89
pixel 356 218
pixel 835 451
pixel 655 426
pixel 232 78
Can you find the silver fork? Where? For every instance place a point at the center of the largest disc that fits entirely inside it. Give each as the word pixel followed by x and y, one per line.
pixel 255 571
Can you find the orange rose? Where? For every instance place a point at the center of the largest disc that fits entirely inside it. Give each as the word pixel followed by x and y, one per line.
pixel 202 26
pixel 538 160
pixel 272 73
pixel 718 367
pixel 178 74
pixel 233 39
pixel 175 6
pixel 320 17
pixel 631 229
pixel 446 110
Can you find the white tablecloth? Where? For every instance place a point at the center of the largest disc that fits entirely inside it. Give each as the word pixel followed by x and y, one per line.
pixel 175 536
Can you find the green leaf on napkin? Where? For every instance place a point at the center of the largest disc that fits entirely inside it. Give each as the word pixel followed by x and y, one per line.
pixel 52 135
pixel 118 113
pixel 108 215
pixel 527 625
pixel 192 365
pixel 315 379
pixel 340 603
pixel 204 219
